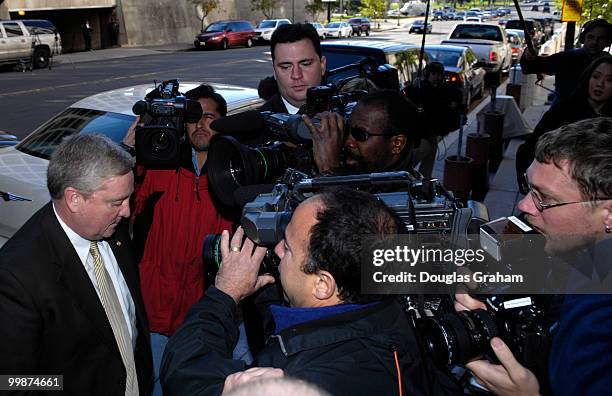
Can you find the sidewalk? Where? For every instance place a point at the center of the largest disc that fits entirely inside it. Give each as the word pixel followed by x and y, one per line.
pixel 119 52
pixel 503 192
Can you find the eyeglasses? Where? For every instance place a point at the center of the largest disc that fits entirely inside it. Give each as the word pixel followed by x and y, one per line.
pixel 361 135
pixel 541 206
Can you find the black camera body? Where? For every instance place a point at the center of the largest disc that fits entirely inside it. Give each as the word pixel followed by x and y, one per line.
pixel 164 112
pixel 424 206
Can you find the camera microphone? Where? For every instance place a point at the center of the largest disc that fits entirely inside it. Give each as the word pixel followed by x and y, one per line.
pixel 247 124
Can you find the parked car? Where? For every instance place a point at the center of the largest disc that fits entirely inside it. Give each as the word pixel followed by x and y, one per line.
pixel 403 57
pixel 29 40
pixel 459 15
pixel 360 25
pixel 23 168
pixel 516 38
pixel 439 16
pixel 489 42
pixel 461 69
pixel 339 29
pixel 419 25
pixel 321 30
pixel 225 34
pixel 7 139
pixel 533 27
pixel 393 13
pixel 264 30
pixel 473 19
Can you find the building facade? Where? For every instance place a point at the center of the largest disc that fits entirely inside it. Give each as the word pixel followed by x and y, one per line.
pixel 135 22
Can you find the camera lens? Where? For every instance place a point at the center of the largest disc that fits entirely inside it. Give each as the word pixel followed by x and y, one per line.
pixel 211 256
pixel 457 338
pixel 160 141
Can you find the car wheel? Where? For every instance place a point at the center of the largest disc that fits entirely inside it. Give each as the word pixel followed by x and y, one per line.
pixel 249 43
pixel 196 44
pixel 224 44
pixel 367 32
pixel 41 58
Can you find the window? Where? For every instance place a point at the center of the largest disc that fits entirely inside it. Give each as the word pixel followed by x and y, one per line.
pixel 43 142
pixel 13 30
pixel 483 32
pixel 283 23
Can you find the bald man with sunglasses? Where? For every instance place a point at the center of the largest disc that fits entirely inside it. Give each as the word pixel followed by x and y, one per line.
pixel 379 136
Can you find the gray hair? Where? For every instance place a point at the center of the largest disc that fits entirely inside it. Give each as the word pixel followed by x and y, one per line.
pixel 83 161
pixel 587 146
pixel 277 387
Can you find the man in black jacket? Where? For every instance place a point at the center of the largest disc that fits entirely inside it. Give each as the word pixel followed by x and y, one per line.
pixel 298 65
pixel 331 335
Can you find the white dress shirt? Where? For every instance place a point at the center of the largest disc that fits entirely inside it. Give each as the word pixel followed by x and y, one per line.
pixel 81 245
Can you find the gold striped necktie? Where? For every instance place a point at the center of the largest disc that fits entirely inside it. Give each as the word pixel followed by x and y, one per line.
pixel 111 305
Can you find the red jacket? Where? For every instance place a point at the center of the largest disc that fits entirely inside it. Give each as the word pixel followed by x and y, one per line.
pixel 178 208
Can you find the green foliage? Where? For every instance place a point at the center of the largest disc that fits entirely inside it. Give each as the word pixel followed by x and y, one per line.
pixel 207 6
pixel 373 8
pixel 592 9
pixel 266 7
pixel 313 8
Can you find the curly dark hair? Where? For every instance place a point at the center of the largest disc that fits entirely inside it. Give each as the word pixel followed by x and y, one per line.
pixel 336 239
pixel 205 91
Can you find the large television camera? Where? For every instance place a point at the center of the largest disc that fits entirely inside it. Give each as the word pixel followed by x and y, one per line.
pixel 164 112
pixel 255 148
pixel 423 204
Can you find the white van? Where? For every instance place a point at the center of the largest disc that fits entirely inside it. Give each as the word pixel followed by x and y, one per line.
pixel 264 30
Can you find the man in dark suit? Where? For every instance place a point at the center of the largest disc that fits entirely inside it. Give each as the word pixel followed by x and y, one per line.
pixel 70 301
pixel 298 65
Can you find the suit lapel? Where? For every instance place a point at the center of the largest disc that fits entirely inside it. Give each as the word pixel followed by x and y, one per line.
pixel 73 276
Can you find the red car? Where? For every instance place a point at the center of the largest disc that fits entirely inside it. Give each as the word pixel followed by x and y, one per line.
pixel 225 34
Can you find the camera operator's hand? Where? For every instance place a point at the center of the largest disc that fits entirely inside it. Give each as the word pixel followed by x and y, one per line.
pixel 509 378
pixel 252 374
pixel 327 140
pixel 130 137
pixel 237 276
pixel 465 302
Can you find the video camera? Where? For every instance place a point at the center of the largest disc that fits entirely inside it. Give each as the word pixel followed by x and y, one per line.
pixel 164 112
pixel 284 141
pixel 425 207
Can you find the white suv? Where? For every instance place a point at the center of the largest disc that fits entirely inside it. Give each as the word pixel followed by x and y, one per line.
pixel 34 40
pixel 264 31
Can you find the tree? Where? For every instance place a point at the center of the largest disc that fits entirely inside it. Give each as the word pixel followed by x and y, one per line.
pixel 592 9
pixel 206 6
pixel 313 8
pixel 373 8
pixel 267 7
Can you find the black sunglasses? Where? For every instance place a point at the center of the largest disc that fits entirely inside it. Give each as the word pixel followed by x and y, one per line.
pixel 361 135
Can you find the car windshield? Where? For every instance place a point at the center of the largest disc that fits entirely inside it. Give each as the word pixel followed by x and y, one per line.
pixel 419 23
pixel 482 32
pixel 43 141
pixel 333 25
pixel 447 58
pixel 354 20
pixel 267 24
pixel 216 27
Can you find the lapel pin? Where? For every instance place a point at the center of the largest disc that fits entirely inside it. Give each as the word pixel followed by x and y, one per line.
pixel 118 243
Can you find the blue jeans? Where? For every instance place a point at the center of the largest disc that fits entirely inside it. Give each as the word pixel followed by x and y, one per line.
pixel 158 344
